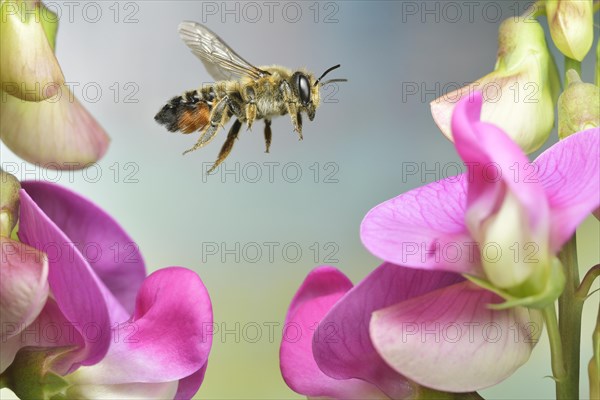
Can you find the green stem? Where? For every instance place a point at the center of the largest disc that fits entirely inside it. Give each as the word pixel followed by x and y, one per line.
pixel 586 283
pixel 558 364
pixel 594 365
pixel 569 311
pixel 571 64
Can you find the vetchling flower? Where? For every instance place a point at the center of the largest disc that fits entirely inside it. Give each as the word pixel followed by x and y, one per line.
pixel 41 121
pixel 520 94
pixel 106 330
pixel 500 225
pixel 571 26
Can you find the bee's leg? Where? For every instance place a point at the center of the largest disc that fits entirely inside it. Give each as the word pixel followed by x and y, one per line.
pixel 268 134
pixel 291 107
pixel 228 145
pixel 216 119
pixel 250 106
pixel 299 122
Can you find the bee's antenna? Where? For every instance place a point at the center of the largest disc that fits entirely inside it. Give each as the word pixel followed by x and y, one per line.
pixel 326 72
pixel 333 80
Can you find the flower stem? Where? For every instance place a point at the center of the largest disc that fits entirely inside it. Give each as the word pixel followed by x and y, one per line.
pixel 571 64
pixel 558 365
pixel 570 308
pixel 587 281
pixel 594 365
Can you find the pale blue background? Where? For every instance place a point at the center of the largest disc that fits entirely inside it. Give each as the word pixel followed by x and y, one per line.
pixel 174 209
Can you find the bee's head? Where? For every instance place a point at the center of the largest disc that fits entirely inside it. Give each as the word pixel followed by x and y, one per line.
pixel 307 88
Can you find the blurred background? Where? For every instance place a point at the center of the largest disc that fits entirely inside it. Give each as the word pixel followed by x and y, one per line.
pixel 255 228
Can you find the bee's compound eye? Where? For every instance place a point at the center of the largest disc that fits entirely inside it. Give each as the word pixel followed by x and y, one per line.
pixel 303 88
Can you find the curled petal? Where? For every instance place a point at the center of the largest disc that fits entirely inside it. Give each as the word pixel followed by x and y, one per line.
pixel 188 386
pixel 75 287
pixel 111 252
pixel 28 68
pixel 450 339
pixel 167 339
pixel 317 294
pixel 569 172
pixel 343 348
pixel 57 133
pixel 424 228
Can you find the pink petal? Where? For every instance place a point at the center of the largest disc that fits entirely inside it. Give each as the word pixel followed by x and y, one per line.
pixel 424 228
pixel 318 293
pixel 569 171
pixel 72 282
pixel 111 252
pixel 342 347
pixel 494 162
pixel 23 286
pixel 57 133
pixel 451 340
pixel 168 338
pixel 23 293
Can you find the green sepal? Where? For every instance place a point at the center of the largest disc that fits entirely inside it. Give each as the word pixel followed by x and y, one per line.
pixel 30 378
pixel 553 289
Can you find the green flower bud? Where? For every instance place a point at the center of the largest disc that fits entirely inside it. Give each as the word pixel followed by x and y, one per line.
pixel 578 106
pixel 9 203
pixel 520 94
pixel 571 26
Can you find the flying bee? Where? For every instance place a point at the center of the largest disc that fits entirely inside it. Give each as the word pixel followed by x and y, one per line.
pixel 241 90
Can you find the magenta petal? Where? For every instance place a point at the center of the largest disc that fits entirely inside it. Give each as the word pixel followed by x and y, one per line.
pixel 189 385
pixel 494 161
pixel 569 171
pixel 424 228
pixel 318 293
pixel 343 348
pixel 451 340
pixel 168 338
pixel 72 283
pixel 109 250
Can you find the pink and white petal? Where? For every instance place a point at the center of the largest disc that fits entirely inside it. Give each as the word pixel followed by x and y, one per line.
pixel 189 385
pixel 72 283
pixel 450 339
pixel 168 338
pixel 28 67
pixel 321 289
pixel 129 391
pixel 424 228
pixel 23 286
pixel 493 159
pixel 342 347
pixel 569 171
pixel 111 252
pixel 57 133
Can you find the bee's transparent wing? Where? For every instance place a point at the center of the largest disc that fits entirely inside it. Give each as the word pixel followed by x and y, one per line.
pixel 221 62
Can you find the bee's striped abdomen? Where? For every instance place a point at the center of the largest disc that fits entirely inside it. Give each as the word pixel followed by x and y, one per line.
pixel 187 113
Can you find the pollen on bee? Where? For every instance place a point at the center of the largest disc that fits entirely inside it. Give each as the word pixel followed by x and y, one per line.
pixel 193 119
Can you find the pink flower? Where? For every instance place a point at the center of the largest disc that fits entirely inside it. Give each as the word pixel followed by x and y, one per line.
pixel 415 322
pixel 107 330
pixel 525 211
